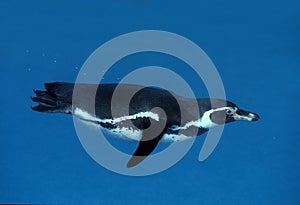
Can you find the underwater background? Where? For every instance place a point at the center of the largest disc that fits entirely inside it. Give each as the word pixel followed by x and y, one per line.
pixel 255 46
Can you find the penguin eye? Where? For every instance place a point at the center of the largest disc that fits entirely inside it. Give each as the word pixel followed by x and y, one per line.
pixel 229 112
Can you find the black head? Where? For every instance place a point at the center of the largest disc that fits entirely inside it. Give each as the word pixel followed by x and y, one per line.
pixel 231 113
pixel 221 111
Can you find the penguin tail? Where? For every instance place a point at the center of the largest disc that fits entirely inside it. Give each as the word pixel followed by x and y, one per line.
pixel 56 98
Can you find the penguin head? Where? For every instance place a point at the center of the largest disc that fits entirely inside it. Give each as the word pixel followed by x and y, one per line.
pixel 230 114
pixel 221 112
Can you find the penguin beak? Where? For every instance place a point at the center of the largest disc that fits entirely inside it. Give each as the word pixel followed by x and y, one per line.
pixel 245 115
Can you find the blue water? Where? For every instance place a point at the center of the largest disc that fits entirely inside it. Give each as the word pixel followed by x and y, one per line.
pixel 254 44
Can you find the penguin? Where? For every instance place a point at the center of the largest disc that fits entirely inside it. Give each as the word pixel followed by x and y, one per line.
pixel 151 115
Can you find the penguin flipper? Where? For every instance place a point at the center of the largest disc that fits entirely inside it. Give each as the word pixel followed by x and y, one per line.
pixel 148 142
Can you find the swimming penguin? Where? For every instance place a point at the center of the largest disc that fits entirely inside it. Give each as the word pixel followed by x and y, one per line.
pixel 153 113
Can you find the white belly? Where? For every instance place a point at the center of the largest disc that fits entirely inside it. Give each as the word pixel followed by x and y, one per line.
pixel 128 133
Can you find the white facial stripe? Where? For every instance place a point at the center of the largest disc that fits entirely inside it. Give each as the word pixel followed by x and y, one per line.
pixel 241 117
pixel 206 121
pixel 251 115
pixel 224 108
